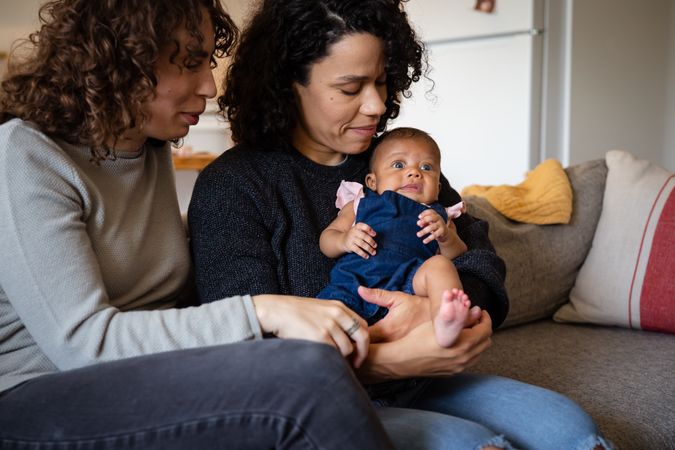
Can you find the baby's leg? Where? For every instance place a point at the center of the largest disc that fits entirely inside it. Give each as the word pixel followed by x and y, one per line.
pixel 436 276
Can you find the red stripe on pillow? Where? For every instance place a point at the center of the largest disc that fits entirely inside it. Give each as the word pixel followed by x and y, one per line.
pixel 657 299
pixel 639 254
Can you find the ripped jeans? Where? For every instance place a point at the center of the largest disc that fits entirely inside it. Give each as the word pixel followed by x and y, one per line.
pixel 469 411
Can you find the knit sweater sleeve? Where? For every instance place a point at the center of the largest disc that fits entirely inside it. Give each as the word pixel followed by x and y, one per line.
pixel 230 227
pixel 51 272
pixel 481 271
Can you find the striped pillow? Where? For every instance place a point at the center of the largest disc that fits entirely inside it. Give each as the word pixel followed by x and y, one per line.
pixel 628 277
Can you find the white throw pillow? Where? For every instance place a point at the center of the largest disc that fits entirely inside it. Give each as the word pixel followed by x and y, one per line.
pixel 628 277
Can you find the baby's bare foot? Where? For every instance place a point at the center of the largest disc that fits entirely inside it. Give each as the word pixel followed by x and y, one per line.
pixel 452 317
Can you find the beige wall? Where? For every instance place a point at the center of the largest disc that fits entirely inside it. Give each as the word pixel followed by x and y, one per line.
pixel 618 77
pixel 17 20
pixel 669 148
pixel 238 10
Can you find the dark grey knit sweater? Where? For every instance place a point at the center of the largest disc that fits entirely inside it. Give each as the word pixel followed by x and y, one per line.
pixel 256 216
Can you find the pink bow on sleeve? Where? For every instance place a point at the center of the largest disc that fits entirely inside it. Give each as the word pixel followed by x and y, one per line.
pixel 455 211
pixel 347 192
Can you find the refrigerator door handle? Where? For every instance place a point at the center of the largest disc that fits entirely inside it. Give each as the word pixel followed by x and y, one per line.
pixel 481 37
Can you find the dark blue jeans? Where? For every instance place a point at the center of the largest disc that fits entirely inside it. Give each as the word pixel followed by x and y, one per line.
pixel 255 395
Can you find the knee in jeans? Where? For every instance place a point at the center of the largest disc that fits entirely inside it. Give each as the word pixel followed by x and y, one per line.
pixel 580 425
pixel 314 361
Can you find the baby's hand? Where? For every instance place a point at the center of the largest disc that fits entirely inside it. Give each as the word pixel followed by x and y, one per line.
pixel 434 226
pixel 359 240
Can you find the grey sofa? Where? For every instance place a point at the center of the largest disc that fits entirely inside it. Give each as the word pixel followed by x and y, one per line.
pixel 625 379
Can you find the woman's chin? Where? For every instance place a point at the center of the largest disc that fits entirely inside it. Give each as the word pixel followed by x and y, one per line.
pixel 355 149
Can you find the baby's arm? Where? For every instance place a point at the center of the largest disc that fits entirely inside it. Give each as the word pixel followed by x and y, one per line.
pixel 434 227
pixel 341 237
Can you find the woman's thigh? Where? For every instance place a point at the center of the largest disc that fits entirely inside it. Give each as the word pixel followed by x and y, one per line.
pixel 529 416
pixel 265 394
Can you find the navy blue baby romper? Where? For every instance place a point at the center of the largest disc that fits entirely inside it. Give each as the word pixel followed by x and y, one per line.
pixel 399 253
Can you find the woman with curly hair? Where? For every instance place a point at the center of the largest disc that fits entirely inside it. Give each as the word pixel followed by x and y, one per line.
pixel 310 85
pixel 99 347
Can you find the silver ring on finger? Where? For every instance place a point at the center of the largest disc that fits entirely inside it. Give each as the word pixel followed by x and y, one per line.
pixel 353 328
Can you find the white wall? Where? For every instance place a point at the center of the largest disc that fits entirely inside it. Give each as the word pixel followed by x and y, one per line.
pixel 669 139
pixel 619 53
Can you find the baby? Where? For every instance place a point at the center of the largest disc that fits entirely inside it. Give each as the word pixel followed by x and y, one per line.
pixel 396 236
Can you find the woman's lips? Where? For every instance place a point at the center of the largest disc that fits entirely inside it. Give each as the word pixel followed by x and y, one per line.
pixel 191 118
pixel 368 131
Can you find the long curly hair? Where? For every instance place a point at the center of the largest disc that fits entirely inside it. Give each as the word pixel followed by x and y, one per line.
pixel 282 41
pixel 90 66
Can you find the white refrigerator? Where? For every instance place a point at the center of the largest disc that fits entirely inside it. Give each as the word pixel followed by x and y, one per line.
pixel 485 106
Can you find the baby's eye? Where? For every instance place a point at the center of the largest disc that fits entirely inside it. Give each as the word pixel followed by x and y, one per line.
pixel 397 165
pixel 426 167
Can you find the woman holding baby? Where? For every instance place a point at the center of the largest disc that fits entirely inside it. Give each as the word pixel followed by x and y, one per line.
pixel 310 85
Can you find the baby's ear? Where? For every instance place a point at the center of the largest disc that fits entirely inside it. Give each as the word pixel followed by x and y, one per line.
pixel 371 182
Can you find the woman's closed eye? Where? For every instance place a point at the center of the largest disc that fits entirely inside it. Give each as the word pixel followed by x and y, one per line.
pixel 195 60
pixel 350 90
pixel 194 64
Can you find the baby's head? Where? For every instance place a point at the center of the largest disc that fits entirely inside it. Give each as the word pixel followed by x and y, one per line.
pixel 406 161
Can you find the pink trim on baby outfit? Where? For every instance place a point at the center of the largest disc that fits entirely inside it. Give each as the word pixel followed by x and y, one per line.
pixel 351 191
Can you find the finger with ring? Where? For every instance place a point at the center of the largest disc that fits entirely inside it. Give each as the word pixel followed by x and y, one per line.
pixel 352 329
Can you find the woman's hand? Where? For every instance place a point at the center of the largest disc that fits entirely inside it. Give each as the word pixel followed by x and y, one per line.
pixel 418 355
pixel 325 321
pixel 406 312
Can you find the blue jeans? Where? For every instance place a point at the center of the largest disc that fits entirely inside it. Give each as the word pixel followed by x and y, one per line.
pixel 254 395
pixel 473 411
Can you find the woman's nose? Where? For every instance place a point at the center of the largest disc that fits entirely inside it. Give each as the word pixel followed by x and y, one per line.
pixel 207 85
pixel 373 101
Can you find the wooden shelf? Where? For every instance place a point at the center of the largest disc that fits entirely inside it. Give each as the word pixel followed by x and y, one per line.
pixel 196 161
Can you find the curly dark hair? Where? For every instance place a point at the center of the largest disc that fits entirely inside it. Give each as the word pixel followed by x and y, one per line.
pixel 282 41
pixel 91 64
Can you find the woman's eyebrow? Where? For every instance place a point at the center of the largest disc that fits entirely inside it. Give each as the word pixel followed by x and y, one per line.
pixel 351 78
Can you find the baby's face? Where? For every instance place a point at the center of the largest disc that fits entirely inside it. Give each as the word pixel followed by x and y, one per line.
pixel 409 166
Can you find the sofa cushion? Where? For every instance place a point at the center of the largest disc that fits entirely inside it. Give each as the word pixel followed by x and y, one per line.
pixel 543 198
pixel 542 261
pixel 622 378
pixel 628 278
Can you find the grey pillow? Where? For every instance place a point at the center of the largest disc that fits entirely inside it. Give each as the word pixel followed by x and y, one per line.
pixel 542 261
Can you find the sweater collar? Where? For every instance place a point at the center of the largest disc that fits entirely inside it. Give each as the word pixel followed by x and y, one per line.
pixel 347 169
